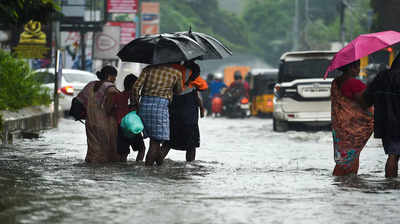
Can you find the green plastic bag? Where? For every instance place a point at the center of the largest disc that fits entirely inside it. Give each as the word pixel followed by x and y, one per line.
pixel 131 124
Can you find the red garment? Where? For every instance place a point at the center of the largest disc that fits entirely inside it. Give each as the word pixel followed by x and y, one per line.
pixel 351 87
pixel 216 105
pixel 199 83
pixel 121 101
pixel 245 85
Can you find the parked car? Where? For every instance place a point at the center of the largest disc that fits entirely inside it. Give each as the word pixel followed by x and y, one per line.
pixel 72 82
pixel 301 93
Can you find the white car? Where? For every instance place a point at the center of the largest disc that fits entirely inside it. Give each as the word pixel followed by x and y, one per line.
pixel 301 93
pixel 72 82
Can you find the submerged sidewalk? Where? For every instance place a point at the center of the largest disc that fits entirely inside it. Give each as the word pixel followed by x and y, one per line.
pixel 26 122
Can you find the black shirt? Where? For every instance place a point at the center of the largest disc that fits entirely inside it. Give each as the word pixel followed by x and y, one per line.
pixel 384 93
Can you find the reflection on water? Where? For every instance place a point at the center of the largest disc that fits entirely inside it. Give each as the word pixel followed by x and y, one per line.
pixel 245 173
pixel 367 184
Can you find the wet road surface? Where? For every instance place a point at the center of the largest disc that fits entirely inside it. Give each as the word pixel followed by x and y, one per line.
pixel 244 173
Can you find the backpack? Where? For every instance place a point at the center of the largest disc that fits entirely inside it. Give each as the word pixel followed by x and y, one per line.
pixel 234 93
pixel 77 110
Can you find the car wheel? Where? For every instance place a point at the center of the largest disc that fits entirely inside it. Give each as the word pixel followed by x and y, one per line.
pixel 279 125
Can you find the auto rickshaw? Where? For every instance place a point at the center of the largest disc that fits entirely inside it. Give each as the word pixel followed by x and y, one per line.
pixel 230 71
pixel 262 82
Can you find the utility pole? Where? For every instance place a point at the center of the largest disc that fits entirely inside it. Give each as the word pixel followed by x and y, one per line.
pixel 342 8
pixel 307 15
pixel 296 27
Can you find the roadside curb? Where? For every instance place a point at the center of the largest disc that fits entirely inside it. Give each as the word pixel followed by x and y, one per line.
pixel 26 122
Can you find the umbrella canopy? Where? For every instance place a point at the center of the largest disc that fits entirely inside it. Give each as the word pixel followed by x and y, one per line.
pixel 214 48
pixel 161 49
pixel 362 46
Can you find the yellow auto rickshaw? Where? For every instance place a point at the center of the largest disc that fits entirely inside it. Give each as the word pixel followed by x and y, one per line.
pixel 262 82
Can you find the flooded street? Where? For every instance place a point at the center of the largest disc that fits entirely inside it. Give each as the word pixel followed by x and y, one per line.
pixel 244 173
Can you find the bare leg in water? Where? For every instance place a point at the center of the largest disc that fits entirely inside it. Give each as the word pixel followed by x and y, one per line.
pixel 141 149
pixel 164 151
pixel 154 153
pixel 191 154
pixel 340 171
pixel 391 167
pixel 140 155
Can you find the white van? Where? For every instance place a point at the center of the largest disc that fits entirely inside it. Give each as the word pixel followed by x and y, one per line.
pixel 301 93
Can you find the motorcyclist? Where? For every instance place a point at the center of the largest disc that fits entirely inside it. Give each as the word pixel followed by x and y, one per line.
pixel 217 85
pixel 239 85
pixel 237 91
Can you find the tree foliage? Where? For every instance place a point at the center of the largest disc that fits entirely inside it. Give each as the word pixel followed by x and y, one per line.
pixel 265 27
pixel 18 85
pixel 387 15
pixel 204 16
pixel 19 12
pixel 271 25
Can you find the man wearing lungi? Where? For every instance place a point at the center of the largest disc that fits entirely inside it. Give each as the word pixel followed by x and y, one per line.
pixel 156 86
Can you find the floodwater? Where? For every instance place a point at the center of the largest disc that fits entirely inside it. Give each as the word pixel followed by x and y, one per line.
pixel 244 173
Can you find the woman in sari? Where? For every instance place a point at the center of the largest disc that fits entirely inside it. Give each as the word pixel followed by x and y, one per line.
pixel 352 125
pixel 101 125
pixel 184 112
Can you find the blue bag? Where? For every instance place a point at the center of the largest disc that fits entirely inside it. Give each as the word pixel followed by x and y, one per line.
pixel 131 124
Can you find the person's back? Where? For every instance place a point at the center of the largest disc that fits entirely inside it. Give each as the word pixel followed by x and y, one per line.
pixel 121 108
pixel 351 125
pixel 159 81
pixel 157 84
pixel 215 87
pixel 384 94
pixel 241 86
pixel 101 125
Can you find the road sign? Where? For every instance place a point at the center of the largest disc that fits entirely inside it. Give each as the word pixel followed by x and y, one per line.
pixel 128 31
pixel 107 43
pixel 122 6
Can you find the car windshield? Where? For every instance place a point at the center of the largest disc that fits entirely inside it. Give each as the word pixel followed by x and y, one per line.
pixel 79 77
pixel 44 77
pixel 306 69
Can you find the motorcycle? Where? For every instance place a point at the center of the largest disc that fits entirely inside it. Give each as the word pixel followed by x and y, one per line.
pixel 239 108
pixel 235 103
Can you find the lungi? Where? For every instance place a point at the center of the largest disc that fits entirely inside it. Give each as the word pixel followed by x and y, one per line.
pixel 155 116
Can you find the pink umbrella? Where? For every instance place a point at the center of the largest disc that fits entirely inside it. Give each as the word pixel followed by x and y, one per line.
pixel 362 46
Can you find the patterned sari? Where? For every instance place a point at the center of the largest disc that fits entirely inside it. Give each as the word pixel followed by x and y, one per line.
pixel 351 127
pixel 101 125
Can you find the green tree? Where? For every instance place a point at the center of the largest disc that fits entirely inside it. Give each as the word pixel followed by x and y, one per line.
pixel 387 15
pixel 19 12
pixel 19 87
pixel 270 25
pixel 204 16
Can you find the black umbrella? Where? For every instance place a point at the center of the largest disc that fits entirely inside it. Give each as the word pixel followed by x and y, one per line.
pixel 161 49
pixel 214 48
